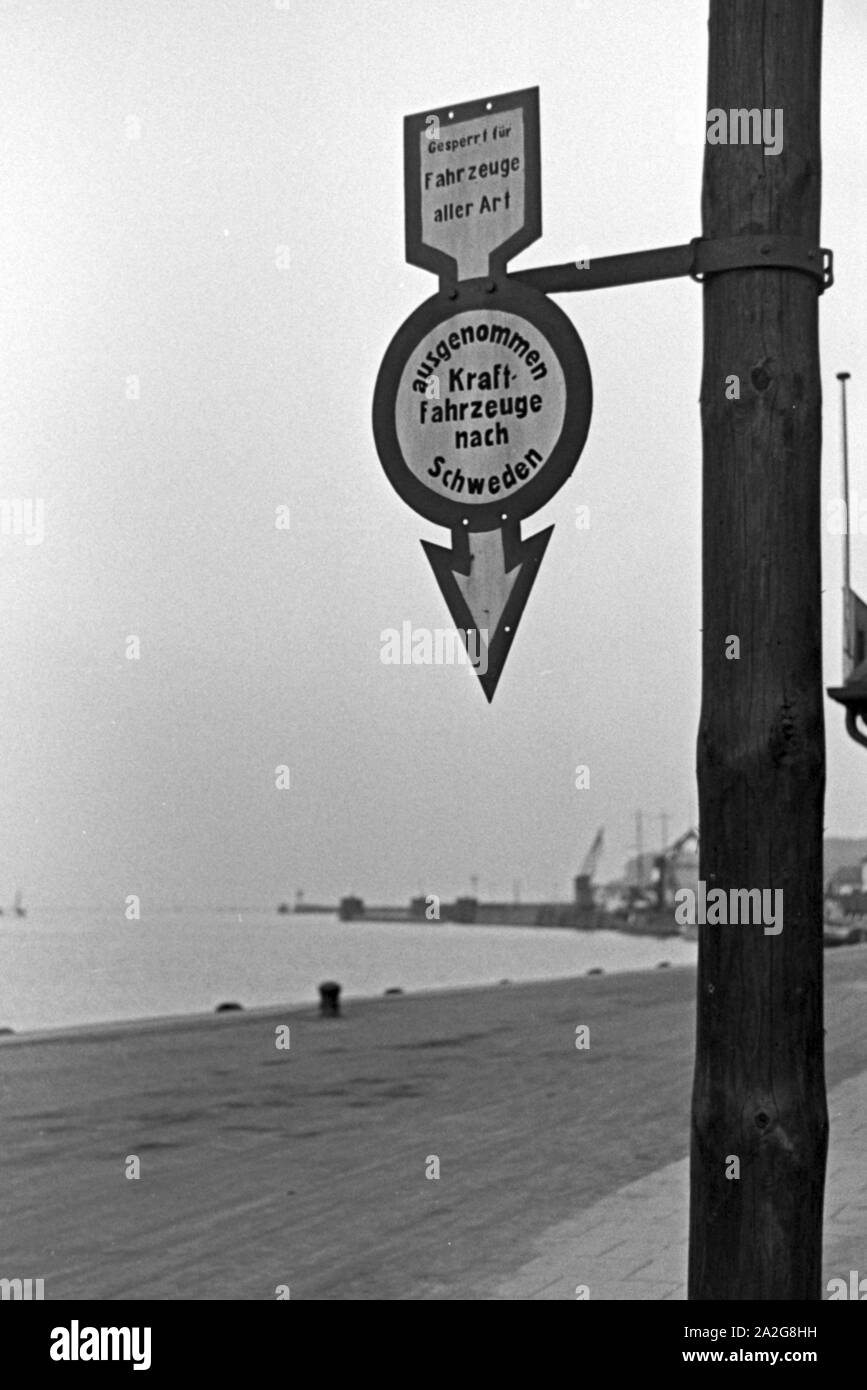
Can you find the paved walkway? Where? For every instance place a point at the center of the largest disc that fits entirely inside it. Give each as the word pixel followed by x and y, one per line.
pixel 633 1244
pixel 312 1166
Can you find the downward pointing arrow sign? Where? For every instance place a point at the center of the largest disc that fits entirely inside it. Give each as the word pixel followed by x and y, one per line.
pixel 486 580
pixel 487 587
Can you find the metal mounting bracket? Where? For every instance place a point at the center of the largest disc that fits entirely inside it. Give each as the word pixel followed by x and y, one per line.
pixel 752 252
pixel 854 698
pixel 698 258
pixel 852 727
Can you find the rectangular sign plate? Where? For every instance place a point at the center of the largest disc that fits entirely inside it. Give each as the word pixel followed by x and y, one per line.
pixel 473 185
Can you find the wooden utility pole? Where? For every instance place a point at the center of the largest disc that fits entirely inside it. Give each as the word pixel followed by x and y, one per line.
pixel 759 1091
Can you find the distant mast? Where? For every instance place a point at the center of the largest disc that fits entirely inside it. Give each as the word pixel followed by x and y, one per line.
pixel 18 906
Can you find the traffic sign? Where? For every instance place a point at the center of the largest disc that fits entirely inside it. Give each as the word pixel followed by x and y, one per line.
pixel 472 184
pixel 482 403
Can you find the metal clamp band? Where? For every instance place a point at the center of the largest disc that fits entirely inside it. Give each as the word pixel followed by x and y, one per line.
pixel 712 255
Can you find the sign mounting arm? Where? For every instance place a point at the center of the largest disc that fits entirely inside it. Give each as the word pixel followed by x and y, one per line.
pixel 701 256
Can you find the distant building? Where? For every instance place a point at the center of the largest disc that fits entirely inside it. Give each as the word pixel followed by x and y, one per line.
pixel 677 868
pixel 658 877
pixel 464 910
pixel 845 880
pixel 639 870
pixel 613 897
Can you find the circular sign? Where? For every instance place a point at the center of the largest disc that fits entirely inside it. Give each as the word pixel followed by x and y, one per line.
pixel 482 405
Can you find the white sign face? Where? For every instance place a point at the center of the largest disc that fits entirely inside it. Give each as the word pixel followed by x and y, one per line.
pixel 480 406
pixel 472 187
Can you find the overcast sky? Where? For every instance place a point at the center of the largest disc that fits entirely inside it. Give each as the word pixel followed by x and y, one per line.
pixel 208 197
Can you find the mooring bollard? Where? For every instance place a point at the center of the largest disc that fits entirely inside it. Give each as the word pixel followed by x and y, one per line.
pixel 329 999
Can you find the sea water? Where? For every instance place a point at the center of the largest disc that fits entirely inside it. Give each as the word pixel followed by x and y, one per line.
pixel 62 968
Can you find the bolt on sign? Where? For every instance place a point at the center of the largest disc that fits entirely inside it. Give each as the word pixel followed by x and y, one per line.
pixel 483 400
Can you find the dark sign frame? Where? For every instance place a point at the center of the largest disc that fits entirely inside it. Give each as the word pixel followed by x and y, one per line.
pixel 549 320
